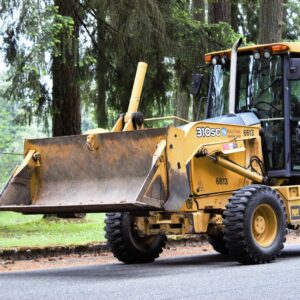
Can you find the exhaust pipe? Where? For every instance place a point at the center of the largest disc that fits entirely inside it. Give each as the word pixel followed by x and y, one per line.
pixel 232 82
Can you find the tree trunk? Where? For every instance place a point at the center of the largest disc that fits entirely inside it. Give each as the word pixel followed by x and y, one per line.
pixel 270 21
pixel 198 9
pixel 183 95
pixel 219 11
pixel 66 93
pixel 249 17
pixel 65 72
pixel 285 20
pixel 234 16
pixel 182 103
pixel 101 67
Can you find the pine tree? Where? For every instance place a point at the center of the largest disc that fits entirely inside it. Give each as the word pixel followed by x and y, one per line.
pixel 65 72
pixel 270 21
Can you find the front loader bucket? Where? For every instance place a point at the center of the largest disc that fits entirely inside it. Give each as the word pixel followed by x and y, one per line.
pixel 66 175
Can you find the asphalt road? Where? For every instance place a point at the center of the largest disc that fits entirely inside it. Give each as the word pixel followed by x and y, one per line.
pixel 205 276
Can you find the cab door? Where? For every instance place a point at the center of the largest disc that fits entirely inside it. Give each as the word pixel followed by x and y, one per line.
pixel 294 113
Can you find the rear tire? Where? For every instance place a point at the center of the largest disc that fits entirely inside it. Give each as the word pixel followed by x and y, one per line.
pixel 218 243
pixel 125 243
pixel 255 224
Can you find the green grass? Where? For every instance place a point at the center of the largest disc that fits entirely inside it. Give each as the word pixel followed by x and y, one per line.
pixel 17 230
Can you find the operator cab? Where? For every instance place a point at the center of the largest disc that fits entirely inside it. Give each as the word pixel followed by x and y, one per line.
pixel 268 85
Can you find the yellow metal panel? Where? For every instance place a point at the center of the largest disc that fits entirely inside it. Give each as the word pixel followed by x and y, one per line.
pixel 124 123
pixel 189 205
pixel 292 47
pixel 216 201
pixel 137 87
pixel 236 168
pixel 200 221
pixel 208 177
pixel 118 126
pixel 291 199
pixel 237 143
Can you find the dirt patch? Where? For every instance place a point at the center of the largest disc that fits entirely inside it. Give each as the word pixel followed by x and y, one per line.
pixel 92 254
pixel 173 248
pixel 25 253
pixel 91 259
pixel 30 253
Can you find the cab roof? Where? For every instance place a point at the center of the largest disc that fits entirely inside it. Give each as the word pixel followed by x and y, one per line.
pixel 274 48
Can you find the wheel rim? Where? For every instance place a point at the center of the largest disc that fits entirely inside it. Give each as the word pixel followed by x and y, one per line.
pixel 264 225
pixel 143 243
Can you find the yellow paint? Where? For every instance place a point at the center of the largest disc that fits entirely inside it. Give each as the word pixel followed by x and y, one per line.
pixel 137 87
pixel 291 198
pixel 28 161
pixel 92 142
pixel 214 200
pixel 264 225
pixel 118 125
pixel 290 47
pixel 200 221
pixel 160 177
pixel 160 223
pixel 124 122
pixel 239 170
pixel 184 148
pixel 33 164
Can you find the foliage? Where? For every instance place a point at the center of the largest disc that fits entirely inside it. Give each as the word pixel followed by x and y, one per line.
pixel 132 31
pixel 248 19
pixel 17 230
pixel 30 34
pixel 114 36
pixel 7 144
pixel 291 28
pixel 12 135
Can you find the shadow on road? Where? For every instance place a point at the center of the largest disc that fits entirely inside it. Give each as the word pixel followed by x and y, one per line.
pixel 161 267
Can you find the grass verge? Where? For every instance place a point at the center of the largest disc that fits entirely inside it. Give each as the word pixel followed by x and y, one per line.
pixel 17 230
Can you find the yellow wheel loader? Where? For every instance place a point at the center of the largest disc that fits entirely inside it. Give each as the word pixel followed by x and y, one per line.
pixel 234 176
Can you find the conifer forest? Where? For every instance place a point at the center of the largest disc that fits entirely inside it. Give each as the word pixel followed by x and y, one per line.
pixel 67 66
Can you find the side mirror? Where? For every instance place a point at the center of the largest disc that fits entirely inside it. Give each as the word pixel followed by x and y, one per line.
pixel 197 80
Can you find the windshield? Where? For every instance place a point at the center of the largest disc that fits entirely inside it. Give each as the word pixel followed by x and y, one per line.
pixel 219 93
pixel 258 87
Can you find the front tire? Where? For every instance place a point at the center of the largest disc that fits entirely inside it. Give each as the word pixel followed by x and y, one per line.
pixel 255 224
pixel 125 243
pixel 218 243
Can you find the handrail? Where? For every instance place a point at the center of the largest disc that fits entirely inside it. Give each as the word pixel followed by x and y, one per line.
pixel 166 118
pixel 271 119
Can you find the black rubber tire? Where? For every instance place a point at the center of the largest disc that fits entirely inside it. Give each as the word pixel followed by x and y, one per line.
pixel 240 242
pixel 125 243
pixel 218 243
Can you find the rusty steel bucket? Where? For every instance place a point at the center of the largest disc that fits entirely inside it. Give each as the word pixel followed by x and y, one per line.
pixel 65 175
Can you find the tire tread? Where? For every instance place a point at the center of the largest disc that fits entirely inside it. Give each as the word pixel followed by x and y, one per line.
pixel 234 220
pixel 119 240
